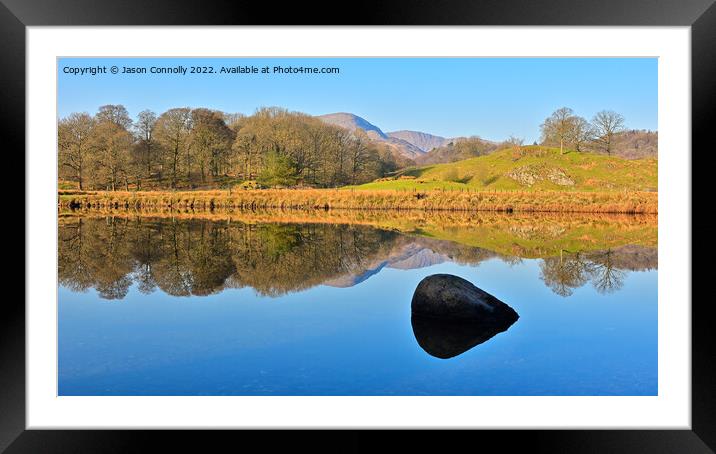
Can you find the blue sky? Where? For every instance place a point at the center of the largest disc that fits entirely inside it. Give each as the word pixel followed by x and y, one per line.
pixel 489 97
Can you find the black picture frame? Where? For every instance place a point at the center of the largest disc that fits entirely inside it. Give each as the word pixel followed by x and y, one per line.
pixel 16 15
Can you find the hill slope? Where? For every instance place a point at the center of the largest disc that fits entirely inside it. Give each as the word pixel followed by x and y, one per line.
pixel 636 144
pixel 459 149
pixel 529 168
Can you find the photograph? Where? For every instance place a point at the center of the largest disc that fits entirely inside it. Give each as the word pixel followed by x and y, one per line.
pixel 461 222
pixel 357 226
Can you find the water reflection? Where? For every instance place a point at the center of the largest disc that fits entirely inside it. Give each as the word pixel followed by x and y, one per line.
pixel 449 338
pixel 604 269
pixel 259 305
pixel 183 257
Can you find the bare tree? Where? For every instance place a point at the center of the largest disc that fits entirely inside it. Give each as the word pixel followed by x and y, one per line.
pixel 514 142
pixel 111 145
pixel 73 140
pixel 210 140
pixel 144 128
pixel 172 131
pixel 360 155
pixel 606 125
pixel 114 113
pixel 581 133
pixel 559 126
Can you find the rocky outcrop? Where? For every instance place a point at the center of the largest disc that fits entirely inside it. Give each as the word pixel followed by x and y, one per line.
pixel 531 174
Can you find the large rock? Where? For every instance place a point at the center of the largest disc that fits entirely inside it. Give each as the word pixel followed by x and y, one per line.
pixel 450 315
pixel 451 297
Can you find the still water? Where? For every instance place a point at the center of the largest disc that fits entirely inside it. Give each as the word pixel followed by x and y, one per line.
pixel 235 306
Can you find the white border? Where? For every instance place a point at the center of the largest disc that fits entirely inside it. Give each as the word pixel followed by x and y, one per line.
pixel 670 409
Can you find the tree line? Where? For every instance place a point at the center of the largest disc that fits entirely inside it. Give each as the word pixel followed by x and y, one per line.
pixel 189 148
pixel 569 131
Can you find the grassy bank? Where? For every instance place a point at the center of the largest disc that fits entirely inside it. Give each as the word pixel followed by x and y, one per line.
pixel 529 168
pixel 325 199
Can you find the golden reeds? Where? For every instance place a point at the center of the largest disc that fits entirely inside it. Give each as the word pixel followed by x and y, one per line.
pixel 629 202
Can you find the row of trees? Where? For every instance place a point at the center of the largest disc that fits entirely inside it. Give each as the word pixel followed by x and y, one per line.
pixel 186 147
pixel 565 129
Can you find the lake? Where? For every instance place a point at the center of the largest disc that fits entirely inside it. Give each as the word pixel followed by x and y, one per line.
pixel 320 304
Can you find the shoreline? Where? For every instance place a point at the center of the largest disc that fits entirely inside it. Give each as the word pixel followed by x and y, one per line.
pixel 363 200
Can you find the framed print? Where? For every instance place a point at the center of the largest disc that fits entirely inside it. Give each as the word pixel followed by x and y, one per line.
pixel 390 221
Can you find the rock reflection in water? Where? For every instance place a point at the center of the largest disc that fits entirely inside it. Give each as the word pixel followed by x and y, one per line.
pixel 449 338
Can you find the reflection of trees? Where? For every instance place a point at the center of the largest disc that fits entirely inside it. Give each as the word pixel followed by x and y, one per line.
pixel 95 257
pixel 73 256
pixel 200 257
pixel 147 252
pixel 277 258
pixel 605 269
pixel 564 273
pixel 606 278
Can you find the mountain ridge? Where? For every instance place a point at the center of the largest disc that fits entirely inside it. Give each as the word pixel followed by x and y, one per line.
pixel 423 140
pixel 353 122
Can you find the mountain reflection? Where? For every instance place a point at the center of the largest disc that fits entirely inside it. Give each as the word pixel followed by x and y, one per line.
pixel 183 257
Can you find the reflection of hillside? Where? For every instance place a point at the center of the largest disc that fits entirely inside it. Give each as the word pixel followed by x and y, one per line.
pixel 200 256
pixel 533 235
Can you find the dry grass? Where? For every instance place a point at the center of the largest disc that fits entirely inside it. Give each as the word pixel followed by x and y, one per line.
pixel 376 218
pixel 631 202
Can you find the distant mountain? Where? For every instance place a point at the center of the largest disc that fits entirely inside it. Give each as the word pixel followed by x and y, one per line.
pixel 406 149
pixel 422 140
pixel 352 122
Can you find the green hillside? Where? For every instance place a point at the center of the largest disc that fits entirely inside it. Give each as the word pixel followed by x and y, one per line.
pixel 529 168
